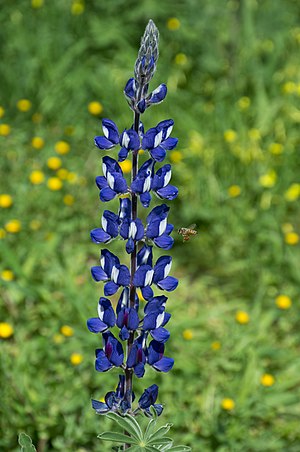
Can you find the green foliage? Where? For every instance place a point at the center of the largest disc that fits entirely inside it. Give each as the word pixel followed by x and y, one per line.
pixel 150 440
pixel 231 65
pixel 26 443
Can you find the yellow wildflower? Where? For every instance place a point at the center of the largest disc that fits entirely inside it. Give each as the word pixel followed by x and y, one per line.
pixel 6 330
pixel 268 179
pixel 37 3
pixel 126 166
pixel 291 238
pixel 287 227
pixel 4 130
pixel 13 226
pixel 54 163
pixel 181 59
pixel 175 156
pixel 24 105
pixel 54 183
pixel 244 103
pixel 62 173
pixel 230 136
pixel 7 275
pixel 95 108
pixel 216 345
pixel 69 200
pixel 289 87
pixel 35 225
pixel 37 143
pixel 227 404
pixel 37 177
pixel 254 134
pixel 77 8
pixel 72 177
pixel 292 193
pixel 276 148
pixel 67 331
pixel 76 359
pixel 234 191
pixel 2 111
pixel 267 380
pixel 283 302
pixel 62 147
pixel 5 201
pixel 187 335
pixel 242 317
pixel 58 338
pixel 173 23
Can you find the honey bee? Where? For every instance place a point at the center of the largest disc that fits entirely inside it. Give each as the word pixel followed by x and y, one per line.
pixel 187 232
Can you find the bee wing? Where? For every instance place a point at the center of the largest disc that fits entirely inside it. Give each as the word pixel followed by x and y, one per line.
pixel 193 226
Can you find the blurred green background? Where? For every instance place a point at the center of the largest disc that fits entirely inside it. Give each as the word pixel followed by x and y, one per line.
pixel 233 75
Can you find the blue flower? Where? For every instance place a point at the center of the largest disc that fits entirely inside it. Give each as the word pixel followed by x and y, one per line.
pixel 157 140
pixel 111 135
pixel 137 357
pixel 127 317
pixel 110 270
pixel 145 256
pixel 133 230
pixel 130 141
pixel 156 358
pixel 106 317
pixel 114 400
pixel 155 319
pixel 112 183
pixel 148 399
pixel 111 355
pixel 110 228
pixel 160 184
pixel 158 228
pixel 154 98
pixel 142 184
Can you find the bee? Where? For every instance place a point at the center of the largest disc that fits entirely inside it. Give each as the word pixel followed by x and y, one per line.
pixel 187 232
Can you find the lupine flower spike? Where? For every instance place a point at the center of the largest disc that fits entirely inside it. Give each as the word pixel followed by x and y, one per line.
pixel 142 337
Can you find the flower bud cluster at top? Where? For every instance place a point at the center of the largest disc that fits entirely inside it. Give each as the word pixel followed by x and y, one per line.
pixel 142 336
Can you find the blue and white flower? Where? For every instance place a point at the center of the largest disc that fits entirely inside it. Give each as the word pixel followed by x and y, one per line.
pixel 158 228
pixel 142 184
pixel 111 355
pixel 111 135
pixel 106 317
pixel 157 140
pixel 112 183
pixel 148 399
pixel 111 272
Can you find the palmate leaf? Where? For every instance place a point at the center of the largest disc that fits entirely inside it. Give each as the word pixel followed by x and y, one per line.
pixel 175 448
pixel 160 442
pixel 26 443
pixel 150 428
pixel 129 424
pixel 117 438
pixel 159 433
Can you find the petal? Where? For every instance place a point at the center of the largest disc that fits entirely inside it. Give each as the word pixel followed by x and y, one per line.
pixel 99 274
pixel 100 407
pixel 123 276
pixel 162 268
pixel 120 184
pixel 122 155
pixel 142 106
pixel 110 288
pixel 144 256
pixel 139 370
pixel 102 363
pixel 158 153
pixel 145 199
pixel 155 304
pixel 124 333
pixel 164 241
pixel 158 94
pixel 148 139
pixel 133 320
pixel 110 223
pixel 98 235
pixel 169 192
pixel 101 182
pixel 166 126
pixel 117 355
pixel 160 334
pixel 155 352
pixel 143 276
pixel 170 283
pixel 148 397
pixel 125 208
pixel 95 325
pixel 130 88
pixel 170 143
pixel 130 246
pixel 103 143
pixel 147 292
pixel 159 212
pixel 110 130
pixel 164 364
pixel 107 194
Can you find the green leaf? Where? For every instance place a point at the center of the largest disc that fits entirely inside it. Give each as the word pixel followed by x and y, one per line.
pixel 150 429
pixel 127 423
pixel 180 449
pixel 26 443
pixel 117 437
pixel 160 441
pixel 160 432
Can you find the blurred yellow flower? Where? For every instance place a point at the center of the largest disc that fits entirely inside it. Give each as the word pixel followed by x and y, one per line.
pixel 54 163
pixel 13 226
pixel 62 173
pixel 24 105
pixel 254 134
pixel 287 227
pixel 7 275
pixel 58 338
pixel 267 380
pixel 234 191
pixel 276 148
pixel 196 142
pixel 2 233
pixel 230 136
pixel 292 193
pixel 6 330
pixel 268 180
pixel 54 183
pixel 242 317
pixel 216 345
pixel 69 200
pixel 5 201
pixel 72 177
pixel 291 238
pixel 37 177
pixel 4 130
pixel 244 103
pixel 37 3
pixel 76 359
pixel 35 225
pixel 173 23
pixel 77 8
pixel 37 118
pixel 67 331
pixel 95 108
pixel 37 142
pixel 176 156
pixel 289 87
pixel 227 404
pixel 62 147
pixel 187 335
pixel 283 302
pixel 181 59
pixel 2 111
pixel 126 166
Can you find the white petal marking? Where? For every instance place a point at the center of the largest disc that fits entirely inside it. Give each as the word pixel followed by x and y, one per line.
pixel 162 226
pixel 169 130
pixel 132 230
pixel 110 180
pixel 148 277
pixel 167 178
pixel 125 139
pixel 104 223
pixel 158 139
pixel 100 311
pixel 105 131
pixel 159 319
pixel 114 274
pixel 167 269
